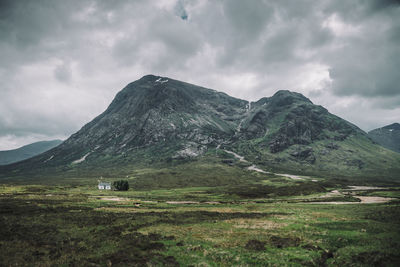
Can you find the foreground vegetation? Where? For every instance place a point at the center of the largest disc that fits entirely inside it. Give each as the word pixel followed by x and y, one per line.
pixel 79 225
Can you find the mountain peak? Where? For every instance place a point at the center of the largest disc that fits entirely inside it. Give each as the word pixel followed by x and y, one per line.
pixel 158 120
pixel 152 92
pixel 149 76
pixel 153 78
pixel 393 126
pixel 286 97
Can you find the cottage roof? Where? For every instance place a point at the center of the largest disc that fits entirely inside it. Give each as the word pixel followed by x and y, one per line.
pixel 104 184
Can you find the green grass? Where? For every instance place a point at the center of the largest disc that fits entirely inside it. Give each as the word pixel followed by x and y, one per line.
pixel 64 225
pixel 386 193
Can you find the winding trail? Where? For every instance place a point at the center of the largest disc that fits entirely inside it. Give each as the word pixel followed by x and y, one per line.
pixel 240 158
pixel 253 167
pixel 364 200
pixel 291 176
pixel 333 193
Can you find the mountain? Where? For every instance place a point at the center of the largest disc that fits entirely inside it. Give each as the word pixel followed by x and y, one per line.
pixel 28 151
pixel 388 136
pixel 159 127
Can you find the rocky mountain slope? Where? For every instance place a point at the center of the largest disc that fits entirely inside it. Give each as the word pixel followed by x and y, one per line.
pixel 158 122
pixel 388 136
pixel 27 151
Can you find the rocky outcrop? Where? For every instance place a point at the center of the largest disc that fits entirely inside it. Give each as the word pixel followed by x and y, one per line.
pixel 388 136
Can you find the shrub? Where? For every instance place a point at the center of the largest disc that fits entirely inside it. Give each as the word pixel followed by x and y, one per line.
pixel 255 245
pixel 121 185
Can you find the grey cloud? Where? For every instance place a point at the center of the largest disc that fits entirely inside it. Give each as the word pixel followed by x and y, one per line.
pixel 247 20
pixel 63 72
pixel 67 59
pixel 162 43
pixel 32 31
pixel 368 64
pixel 385 103
pixel 28 23
pixel 381 5
pixel 280 45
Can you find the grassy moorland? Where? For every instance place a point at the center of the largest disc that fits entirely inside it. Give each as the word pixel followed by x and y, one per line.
pixel 63 225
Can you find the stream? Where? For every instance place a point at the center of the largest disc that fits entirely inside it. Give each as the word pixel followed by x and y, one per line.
pixel 353 189
pixel 334 193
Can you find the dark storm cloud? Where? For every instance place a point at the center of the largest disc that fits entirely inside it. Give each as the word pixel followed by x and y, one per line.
pixel 63 61
pixel 247 20
pixel 28 26
pixel 368 62
pixel 379 5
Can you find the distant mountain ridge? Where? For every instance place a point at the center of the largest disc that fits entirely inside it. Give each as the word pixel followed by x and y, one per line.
pixel 160 122
pixel 27 151
pixel 387 136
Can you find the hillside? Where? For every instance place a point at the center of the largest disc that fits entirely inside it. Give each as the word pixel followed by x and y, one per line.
pixel 190 132
pixel 27 151
pixel 388 136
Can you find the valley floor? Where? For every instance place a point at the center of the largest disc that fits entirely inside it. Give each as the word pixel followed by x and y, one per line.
pixel 78 225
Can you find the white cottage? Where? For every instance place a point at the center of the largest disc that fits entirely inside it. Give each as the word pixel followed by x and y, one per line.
pixel 104 185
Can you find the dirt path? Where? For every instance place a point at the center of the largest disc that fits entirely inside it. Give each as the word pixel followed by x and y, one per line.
pixel 367 200
pixel 182 202
pixel 255 168
pixel 360 188
pixel 294 177
pixel 240 158
pixel 353 188
pixel 364 200
pixel 332 202
pixel 114 199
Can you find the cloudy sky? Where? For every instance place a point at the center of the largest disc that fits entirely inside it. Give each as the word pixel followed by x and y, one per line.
pixel 62 62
